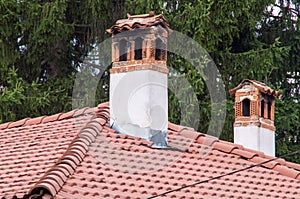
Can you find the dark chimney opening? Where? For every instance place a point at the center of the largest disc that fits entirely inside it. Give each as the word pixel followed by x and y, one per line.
pixel 262 108
pixel 246 107
pixel 138 44
pixel 123 50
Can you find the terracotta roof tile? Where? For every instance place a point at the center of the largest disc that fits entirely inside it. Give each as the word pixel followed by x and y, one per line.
pixel 259 85
pixel 82 157
pixel 223 146
pixel 293 165
pixel 206 140
pixel 45 119
pixel 258 160
pixel 67 115
pixel 51 118
pixel 71 158
pixel 176 128
pixel 30 147
pixel 243 153
pixel 189 133
pixel 286 171
pixel 279 160
pixel 139 22
pixel 33 121
pixel 259 153
pixel 4 125
pixel 80 112
pixel 113 179
pixel 17 123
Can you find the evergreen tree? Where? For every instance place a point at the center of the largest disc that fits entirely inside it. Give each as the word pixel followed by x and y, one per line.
pixel 43 44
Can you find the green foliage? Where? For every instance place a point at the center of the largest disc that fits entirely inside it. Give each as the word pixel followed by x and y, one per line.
pixel 48 39
pixel 60 95
pixel 287 128
pixel 51 34
pixel 19 99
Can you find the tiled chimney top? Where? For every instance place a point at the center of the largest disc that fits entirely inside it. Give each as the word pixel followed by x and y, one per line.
pixel 139 21
pixel 259 85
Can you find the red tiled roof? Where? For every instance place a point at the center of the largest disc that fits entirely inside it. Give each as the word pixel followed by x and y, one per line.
pixel 30 147
pixel 259 85
pixel 139 22
pixel 81 157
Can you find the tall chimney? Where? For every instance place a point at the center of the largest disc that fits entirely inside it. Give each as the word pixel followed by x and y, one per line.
pixel 139 76
pixel 254 116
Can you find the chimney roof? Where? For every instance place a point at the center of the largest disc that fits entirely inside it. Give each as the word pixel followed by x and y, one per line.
pixel 259 85
pixel 139 22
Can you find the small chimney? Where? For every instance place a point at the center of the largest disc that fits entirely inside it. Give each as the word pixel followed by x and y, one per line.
pixel 254 116
pixel 139 76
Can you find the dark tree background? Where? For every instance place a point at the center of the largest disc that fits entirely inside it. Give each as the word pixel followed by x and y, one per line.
pixel 43 44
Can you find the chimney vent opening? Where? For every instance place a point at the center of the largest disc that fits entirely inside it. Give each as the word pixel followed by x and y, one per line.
pixel 123 50
pixel 158 49
pixel 138 45
pixel 262 108
pixel 246 107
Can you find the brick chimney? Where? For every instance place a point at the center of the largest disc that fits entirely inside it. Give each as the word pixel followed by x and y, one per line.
pixel 139 76
pixel 254 116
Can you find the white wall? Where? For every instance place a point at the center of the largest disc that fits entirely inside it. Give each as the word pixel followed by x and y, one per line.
pixel 257 138
pixel 139 102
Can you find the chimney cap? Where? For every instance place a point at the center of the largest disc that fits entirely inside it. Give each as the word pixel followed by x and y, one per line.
pixel 259 85
pixel 139 21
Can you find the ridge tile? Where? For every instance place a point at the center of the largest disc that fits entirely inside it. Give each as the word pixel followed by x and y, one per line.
pixel 33 121
pixel 17 123
pixel 51 118
pixel 223 146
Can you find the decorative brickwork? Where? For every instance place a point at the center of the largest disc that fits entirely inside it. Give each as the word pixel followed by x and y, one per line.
pixel 164 55
pixel 151 47
pixel 253 123
pixel 254 108
pixel 129 51
pixel 262 102
pixel 135 65
pixel 115 52
pixel 138 62
pixel 266 110
pixel 138 67
pixel 238 109
pixel 142 47
pixel 132 53
pixel 272 110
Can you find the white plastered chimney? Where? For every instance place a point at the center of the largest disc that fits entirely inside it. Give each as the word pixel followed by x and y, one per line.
pixel 139 77
pixel 254 116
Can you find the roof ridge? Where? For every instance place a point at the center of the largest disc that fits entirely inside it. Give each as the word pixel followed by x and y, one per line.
pixel 280 165
pixel 50 118
pixel 57 175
